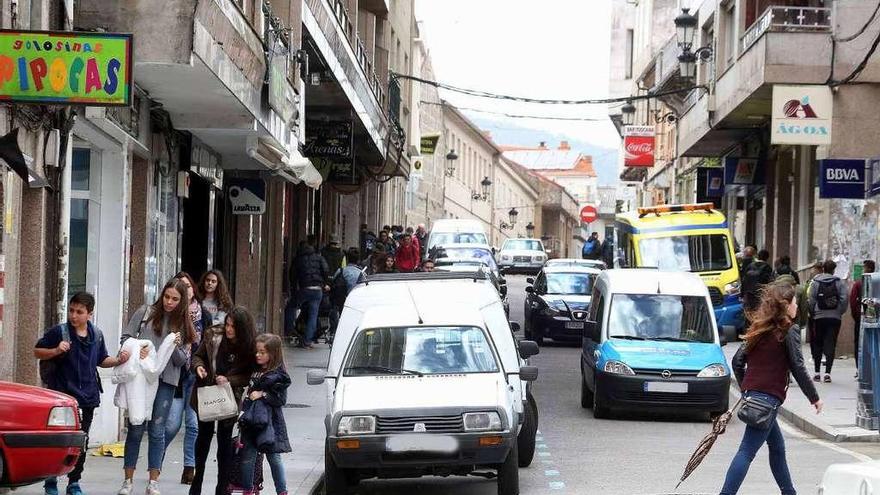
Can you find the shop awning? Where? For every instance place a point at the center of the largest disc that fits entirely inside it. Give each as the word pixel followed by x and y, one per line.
pixel 302 169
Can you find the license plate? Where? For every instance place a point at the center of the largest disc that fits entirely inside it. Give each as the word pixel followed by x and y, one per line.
pixel 421 443
pixel 574 325
pixel 668 387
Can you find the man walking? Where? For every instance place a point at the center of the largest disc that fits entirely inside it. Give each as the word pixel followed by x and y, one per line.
pixel 333 254
pixel 422 236
pixel 757 274
pixel 311 276
pixel 855 307
pixel 592 248
pixel 827 305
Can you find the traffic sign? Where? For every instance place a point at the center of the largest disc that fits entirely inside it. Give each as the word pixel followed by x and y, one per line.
pixel 589 214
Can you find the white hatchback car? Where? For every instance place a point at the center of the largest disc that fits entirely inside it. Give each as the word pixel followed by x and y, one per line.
pixel 522 254
pixel 426 378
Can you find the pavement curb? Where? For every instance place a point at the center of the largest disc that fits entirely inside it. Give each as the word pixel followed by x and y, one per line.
pixel 815 428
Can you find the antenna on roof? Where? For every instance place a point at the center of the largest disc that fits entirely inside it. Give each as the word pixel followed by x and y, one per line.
pixel 415 306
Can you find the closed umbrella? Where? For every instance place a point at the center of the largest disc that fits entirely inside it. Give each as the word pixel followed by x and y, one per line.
pixel 719 426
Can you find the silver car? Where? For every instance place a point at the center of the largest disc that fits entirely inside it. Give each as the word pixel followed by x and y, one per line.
pixel 527 255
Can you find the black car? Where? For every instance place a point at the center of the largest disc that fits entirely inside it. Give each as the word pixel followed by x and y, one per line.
pixel 557 303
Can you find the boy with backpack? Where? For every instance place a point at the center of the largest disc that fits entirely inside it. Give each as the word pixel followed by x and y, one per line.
pixel 69 355
pixel 828 302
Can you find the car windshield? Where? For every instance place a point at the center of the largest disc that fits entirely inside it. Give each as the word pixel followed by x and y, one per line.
pixel 693 253
pixel 569 283
pixel 420 350
pixel 660 317
pixel 441 238
pixel 465 253
pixel 523 245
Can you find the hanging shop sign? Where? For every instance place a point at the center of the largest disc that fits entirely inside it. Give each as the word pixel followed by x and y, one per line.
pixel 743 172
pixel 65 68
pixel 842 179
pixel 328 139
pixel 418 166
pixel 338 173
pixel 282 98
pixel 248 196
pixel 802 115
pixel 710 185
pixel 873 179
pixel 428 143
pixel 638 144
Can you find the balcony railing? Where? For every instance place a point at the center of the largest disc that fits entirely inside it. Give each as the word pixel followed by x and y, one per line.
pixel 340 11
pixel 778 18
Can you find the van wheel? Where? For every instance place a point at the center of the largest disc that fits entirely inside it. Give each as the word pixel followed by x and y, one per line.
pixel 586 394
pixel 508 474
pixel 599 410
pixel 526 439
pixel 337 481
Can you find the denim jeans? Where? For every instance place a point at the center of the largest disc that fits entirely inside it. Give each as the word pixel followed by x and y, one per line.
pixel 753 439
pixel 182 412
pixel 224 454
pixel 249 458
pixel 311 299
pixel 156 431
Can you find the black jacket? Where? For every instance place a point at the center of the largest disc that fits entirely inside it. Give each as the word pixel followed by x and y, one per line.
pixel 757 274
pixel 274 384
pixel 792 349
pixel 333 256
pixel 309 269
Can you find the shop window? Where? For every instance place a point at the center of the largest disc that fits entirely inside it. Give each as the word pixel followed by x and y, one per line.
pixel 85 210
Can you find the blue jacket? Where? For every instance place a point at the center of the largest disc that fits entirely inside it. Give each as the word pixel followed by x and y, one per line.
pixel 76 373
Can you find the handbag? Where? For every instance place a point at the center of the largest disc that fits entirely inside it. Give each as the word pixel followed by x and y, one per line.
pixel 216 402
pixel 757 412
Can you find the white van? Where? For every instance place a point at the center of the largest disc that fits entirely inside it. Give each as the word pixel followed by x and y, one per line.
pixel 456 231
pixel 426 378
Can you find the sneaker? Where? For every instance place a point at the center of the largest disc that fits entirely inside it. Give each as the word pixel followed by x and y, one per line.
pixel 817 378
pixel 74 489
pixel 51 486
pixel 152 488
pixel 126 488
pixel 827 378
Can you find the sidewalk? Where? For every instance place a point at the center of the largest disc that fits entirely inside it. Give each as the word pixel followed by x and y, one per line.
pixel 837 423
pixel 304 466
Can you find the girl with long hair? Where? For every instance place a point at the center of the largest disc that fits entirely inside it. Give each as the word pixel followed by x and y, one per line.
pixel 169 314
pixel 771 351
pixel 180 412
pixel 214 294
pixel 226 355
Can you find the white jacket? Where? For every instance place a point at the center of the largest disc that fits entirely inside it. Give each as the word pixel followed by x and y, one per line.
pixel 138 379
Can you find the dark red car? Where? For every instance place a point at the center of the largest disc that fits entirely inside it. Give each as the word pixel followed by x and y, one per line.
pixel 40 434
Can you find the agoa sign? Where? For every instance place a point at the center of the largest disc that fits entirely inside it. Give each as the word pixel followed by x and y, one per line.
pixel 801 115
pixel 65 68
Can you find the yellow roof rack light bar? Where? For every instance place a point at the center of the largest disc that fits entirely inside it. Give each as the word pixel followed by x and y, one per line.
pixel 657 210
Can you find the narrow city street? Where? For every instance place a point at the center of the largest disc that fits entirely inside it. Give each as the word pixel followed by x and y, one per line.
pixel 630 454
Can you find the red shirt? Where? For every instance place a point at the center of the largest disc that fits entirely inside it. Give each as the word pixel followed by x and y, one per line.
pixel 407 257
pixel 767 368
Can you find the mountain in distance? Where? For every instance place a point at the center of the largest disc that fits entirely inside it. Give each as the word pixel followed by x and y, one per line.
pixel 507 133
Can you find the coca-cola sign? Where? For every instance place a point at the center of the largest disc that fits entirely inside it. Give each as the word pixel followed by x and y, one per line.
pixel 638 146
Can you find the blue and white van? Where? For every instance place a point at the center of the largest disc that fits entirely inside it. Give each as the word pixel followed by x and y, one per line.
pixel 651 342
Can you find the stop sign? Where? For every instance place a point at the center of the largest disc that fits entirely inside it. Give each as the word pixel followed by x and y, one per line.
pixel 589 214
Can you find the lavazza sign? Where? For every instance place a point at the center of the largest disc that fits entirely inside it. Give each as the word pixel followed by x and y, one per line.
pixel 802 115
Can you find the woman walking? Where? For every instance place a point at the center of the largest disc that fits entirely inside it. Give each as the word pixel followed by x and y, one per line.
pixel 181 412
pixel 214 294
pixel 771 351
pixel 226 355
pixel 169 314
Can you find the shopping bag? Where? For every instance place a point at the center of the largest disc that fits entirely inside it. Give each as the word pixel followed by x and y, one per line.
pixel 216 402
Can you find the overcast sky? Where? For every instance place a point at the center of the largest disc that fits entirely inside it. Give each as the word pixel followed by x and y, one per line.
pixel 557 49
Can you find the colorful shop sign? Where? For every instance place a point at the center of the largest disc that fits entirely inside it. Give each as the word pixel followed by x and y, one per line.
pixel 65 68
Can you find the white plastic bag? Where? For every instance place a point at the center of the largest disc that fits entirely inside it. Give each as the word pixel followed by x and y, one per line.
pixel 216 402
pixel 138 379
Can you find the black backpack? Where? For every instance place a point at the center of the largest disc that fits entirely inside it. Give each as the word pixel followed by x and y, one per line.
pixel 827 295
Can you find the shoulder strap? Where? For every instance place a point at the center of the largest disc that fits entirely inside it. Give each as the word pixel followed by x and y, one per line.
pixel 143 321
pixel 65 332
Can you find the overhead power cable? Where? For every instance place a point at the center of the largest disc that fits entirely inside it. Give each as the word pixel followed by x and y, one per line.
pixel 863 29
pixel 516 116
pixel 859 68
pixel 543 101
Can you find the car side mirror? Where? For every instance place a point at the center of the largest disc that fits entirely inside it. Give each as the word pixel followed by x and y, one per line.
pixel 502 270
pixel 530 280
pixel 514 326
pixel 528 373
pixel 502 288
pixel 528 348
pixel 530 289
pixel 591 331
pixel 316 377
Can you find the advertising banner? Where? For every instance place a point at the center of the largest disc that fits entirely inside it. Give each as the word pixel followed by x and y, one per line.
pixel 743 172
pixel 428 143
pixel 65 68
pixel 248 196
pixel 801 115
pixel 842 179
pixel 638 145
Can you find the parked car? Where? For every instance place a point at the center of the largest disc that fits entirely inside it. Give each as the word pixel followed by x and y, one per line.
pixel 427 379
pixel 557 302
pixel 456 231
pixel 851 478
pixel 458 252
pixel 651 342
pixel 40 434
pixel 526 255
pixel 598 264
pixel 472 265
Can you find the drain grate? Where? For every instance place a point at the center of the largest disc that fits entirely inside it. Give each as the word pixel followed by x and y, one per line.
pixel 296 406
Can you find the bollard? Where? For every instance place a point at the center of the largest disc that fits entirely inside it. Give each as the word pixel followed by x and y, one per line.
pixel 869 355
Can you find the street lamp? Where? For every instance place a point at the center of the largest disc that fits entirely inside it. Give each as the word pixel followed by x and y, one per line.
pixel 450 163
pixel 685 29
pixel 628 111
pixel 687 65
pixel 511 216
pixel 485 184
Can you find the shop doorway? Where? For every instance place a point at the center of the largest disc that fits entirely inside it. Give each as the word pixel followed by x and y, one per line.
pixel 197 238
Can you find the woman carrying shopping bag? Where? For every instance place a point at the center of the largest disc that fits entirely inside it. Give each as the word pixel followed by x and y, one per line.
pixel 771 351
pixel 225 358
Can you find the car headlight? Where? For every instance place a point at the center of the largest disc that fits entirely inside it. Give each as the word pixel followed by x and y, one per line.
pixel 713 371
pixel 505 257
pixel 62 416
pixel 356 425
pixel 538 258
pixel 618 368
pixel 482 421
pixel 732 289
